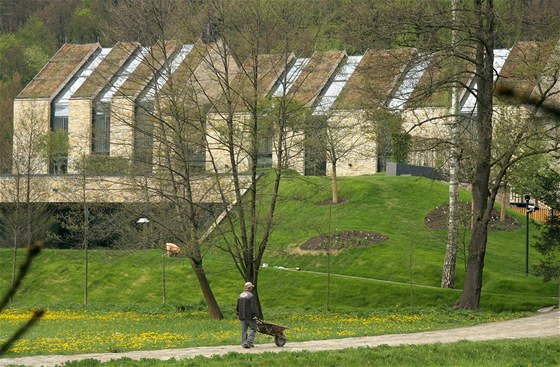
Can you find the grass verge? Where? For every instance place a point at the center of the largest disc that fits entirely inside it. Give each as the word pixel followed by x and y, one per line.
pixel 501 353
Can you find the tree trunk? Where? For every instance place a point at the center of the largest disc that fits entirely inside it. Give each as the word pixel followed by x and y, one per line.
pixel 482 206
pixel 260 313
pixel 14 262
pixel 213 307
pixel 470 298
pixel 448 272
pixel 504 202
pixel 334 185
pixel 86 253
pixel 163 292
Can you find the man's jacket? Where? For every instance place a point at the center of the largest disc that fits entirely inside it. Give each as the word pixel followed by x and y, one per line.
pixel 246 306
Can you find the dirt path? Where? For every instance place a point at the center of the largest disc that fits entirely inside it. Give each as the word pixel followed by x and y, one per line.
pixel 539 326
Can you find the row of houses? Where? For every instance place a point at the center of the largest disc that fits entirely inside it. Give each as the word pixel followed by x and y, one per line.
pixel 101 99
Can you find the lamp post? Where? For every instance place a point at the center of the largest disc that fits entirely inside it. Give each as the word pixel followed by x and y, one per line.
pixel 527 198
pixel 144 222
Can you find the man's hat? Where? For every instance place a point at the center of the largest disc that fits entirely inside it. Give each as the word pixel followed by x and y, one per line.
pixel 249 284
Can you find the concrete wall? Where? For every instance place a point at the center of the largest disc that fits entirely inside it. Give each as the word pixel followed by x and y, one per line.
pixel 399 169
pixel 428 127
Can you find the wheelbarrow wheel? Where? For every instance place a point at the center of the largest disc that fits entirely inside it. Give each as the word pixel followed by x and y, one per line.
pixel 280 339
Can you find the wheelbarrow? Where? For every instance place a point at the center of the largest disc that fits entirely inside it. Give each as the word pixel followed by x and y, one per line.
pixel 277 331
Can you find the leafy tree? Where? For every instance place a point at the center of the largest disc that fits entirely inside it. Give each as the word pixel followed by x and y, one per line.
pixel 393 143
pixel 547 188
pixel 25 51
pixel 83 26
pixel 428 27
pixel 9 88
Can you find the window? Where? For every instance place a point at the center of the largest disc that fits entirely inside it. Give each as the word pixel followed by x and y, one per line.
pixel 58 153
pixel 315 148
pixel 101 129
pixel 60 123
pixel 143 135
pixel 264 155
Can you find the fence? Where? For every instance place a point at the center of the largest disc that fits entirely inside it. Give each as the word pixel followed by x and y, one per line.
pixel 541 215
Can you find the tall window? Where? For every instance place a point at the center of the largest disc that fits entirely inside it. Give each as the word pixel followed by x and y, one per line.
pixel 197 157
pixel 101 129
pixel 58 151
pixel 315 148
pixel 143 135
pixel 264 156
pixel 60 123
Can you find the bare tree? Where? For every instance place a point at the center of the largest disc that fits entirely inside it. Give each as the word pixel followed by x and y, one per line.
pixel 24 216
pixel 86 217
pixel 169 132
pixel 248 131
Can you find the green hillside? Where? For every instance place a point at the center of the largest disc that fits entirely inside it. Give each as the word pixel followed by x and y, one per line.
pixel 402 271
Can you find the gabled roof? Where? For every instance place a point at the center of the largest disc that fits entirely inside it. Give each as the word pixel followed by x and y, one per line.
pixel 524 67
pixel 151 64
pixel 106 70
pixel 375 79
pixel 315 75
pixel 58 71
pixel 192 61
pixel 434 88
pixel 198 79
pixel 270 67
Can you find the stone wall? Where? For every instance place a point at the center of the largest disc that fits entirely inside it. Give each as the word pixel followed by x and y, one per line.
pixel 79 132
pixel 108 189
pixel 31 121
pixel 123 115
pixel 353 140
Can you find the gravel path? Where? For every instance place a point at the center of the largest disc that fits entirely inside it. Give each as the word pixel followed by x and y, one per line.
pixel 542 325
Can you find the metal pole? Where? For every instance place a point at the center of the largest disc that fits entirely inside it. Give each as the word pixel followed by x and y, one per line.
pixel 163 253
pixel 527 198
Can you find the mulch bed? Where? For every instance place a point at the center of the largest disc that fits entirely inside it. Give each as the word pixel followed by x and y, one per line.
pixel 438 219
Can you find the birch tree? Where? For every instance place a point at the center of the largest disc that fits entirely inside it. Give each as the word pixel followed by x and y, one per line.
pixel 448 272
pixel 477 36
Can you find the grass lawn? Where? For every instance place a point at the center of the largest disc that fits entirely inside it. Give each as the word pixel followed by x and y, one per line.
pixel 389 287
pixel 502 353
pixel 87 331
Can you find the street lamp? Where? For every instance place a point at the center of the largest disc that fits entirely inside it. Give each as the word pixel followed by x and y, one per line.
pixel 144 222
pixel 527 198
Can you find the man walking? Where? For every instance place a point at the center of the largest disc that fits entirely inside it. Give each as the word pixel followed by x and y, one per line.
pixel 247 315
